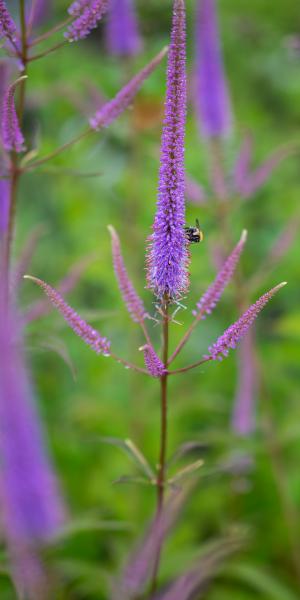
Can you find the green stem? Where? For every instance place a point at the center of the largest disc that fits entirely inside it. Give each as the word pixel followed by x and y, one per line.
pixel 15 172
pixel 58 151
pixel 50 32
pixel 161 477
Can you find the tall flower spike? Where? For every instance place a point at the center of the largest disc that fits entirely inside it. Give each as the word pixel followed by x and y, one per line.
pixel 133 302
pixel 212 296
pixel 167 268
pixel 112 109
pixel 122 36
pixel 89 335
pixel 153 363
pixel 7 26
pixel 211 94
pixel 88 15
pixel 238 330
pixel 12 137
pixel 30 500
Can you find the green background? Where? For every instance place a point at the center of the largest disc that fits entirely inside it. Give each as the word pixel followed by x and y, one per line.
pixel 101 398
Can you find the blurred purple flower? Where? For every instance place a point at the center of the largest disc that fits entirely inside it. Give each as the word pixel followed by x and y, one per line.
pixel 284 240
pixel 212 296
pixel 122 35
pixel 167 268
pixel 236 331
pixel 133 302
pixel 247 183
pixel 244 406
pixel 112 109
pixel 12 137
pixel 87 333
pixel 153 363
pixel 139 567
pixel 39 12
pixel 4 205
pixel 195 193
pixel 88 14
pixel 211 92
pixel 194 581
pixel 243 163
pixel 7 26
pixel 32 507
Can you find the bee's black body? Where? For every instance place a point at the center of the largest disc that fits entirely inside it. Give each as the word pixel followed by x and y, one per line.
pixel 194 234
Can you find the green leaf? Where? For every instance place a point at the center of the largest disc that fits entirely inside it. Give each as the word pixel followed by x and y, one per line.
pixel 133 451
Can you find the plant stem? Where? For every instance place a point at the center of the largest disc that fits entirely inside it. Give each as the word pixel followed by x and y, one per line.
pixel 50 32
pixel 49 51
pixel 161 477
pixel 58 151
pixel 189 367
pixel 15 172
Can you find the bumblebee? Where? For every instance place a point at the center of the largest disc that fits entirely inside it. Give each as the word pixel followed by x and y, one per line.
pixel 194 235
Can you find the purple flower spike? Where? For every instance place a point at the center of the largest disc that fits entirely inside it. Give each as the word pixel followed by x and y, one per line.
pixel 122 36
pixel 12 137
pixel 133 302
pixel 7 26
pixel 238 330
pixel 112 109
pixel 243 414
pixel 167 268
pixel 212 296
pixel 88 15
pixel 211 97
pixel 89 335
pixel 30 500
pixel 77 7
pixel 153 363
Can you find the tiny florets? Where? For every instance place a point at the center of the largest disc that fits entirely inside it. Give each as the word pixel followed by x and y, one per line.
pixel 167 268
pixel 230 338
pixel 89 335
pixel 88 15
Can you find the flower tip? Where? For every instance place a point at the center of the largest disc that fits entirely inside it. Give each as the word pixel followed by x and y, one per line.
pixel 244 236
pixel 282 284
pixel 31 277
pixel 111 230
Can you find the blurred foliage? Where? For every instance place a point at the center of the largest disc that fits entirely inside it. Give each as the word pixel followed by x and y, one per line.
pixel 263 68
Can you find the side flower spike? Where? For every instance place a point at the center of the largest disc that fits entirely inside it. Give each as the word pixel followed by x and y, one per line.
pixel 212 296
pixel 153 363
pixel 238 330
pixel 133 302
pixel 7 26
pixel 211 94
pixel 12 137
pixel 167 260
pixel 122 35
pixel 112 109
pixel 88 15
pixel 89 335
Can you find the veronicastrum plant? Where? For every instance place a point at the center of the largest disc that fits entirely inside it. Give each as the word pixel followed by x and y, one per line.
pixel 168 256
